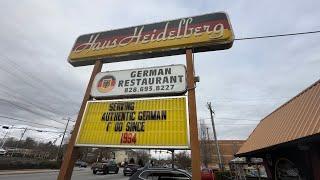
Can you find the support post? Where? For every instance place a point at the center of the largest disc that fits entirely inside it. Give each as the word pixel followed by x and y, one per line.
pixel 193 124
pixel 72 152
pixel 172 158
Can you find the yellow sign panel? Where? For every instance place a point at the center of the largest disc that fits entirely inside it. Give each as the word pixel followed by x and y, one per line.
pixel 136 123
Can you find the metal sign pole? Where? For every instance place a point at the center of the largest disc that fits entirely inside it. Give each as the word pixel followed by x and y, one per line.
pixel 72 152
pixel 194 141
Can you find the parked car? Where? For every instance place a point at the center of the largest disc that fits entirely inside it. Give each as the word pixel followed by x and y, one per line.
pixel 169 166
pixel 81 164
pixel 160 173
pixel 207 174
pixel 3 152
pixel 105 167
pixel 130 169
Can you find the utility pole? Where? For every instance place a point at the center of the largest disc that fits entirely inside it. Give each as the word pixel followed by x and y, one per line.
pixel 24 131
pixel 56 139
pixel 215 136
pixel 64 133
pixel 207 147
pixel 159 155
pixel 172 157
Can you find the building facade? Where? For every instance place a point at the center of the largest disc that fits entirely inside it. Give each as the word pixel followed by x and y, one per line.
pixel 228 149
pixel 288 139
pixel 124 155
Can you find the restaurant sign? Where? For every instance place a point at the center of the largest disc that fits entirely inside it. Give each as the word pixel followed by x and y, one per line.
pixel 136 123
pixel 201 33
pixel 163 80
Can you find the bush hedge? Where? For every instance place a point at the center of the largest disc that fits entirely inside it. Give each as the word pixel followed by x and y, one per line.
pixel 29 164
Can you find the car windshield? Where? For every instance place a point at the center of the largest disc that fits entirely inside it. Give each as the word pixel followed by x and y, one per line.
pixel 111 162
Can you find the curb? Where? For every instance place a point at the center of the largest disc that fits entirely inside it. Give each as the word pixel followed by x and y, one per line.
pixel 30 172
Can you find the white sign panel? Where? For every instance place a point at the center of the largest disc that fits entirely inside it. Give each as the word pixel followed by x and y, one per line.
pixel 164 80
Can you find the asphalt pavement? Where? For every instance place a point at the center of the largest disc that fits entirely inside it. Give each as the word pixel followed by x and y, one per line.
pixel 78 174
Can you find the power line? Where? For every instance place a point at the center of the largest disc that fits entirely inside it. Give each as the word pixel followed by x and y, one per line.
pixel 276 35
pixel 219 124
pixel 30 110
pixel 16 119
pixel 32 129
pixel 17 67
pixel 38 130
pixel 226 124
pixel 253 100
pixel 32 86
pixel 25 100
pixel 237 119
pixel 247 100
pixel 52 137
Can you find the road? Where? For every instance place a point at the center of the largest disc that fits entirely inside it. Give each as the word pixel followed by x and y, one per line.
pixel 82 174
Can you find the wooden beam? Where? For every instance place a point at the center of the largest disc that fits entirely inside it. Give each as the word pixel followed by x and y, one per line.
pixel 194 141
pixel 72 153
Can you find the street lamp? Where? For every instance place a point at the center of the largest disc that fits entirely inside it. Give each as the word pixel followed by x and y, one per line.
pixel 4 137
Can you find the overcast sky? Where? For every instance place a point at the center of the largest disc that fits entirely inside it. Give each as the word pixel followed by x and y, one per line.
pixel 244 83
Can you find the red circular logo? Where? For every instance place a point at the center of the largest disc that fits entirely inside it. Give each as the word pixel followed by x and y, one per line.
pixel 106 84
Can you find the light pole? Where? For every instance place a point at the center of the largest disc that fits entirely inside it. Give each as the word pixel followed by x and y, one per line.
pixel 4 137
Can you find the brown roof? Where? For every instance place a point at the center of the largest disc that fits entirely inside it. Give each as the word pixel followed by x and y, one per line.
pixel 297 118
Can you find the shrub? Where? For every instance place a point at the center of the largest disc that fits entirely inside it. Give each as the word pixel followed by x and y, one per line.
pixel 28 164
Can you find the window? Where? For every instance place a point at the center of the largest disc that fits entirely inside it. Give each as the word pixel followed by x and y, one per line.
pixel 111 163
pixel 172 175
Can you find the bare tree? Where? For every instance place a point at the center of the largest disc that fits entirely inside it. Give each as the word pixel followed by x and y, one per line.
pixel 183 160
pixel 143 157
